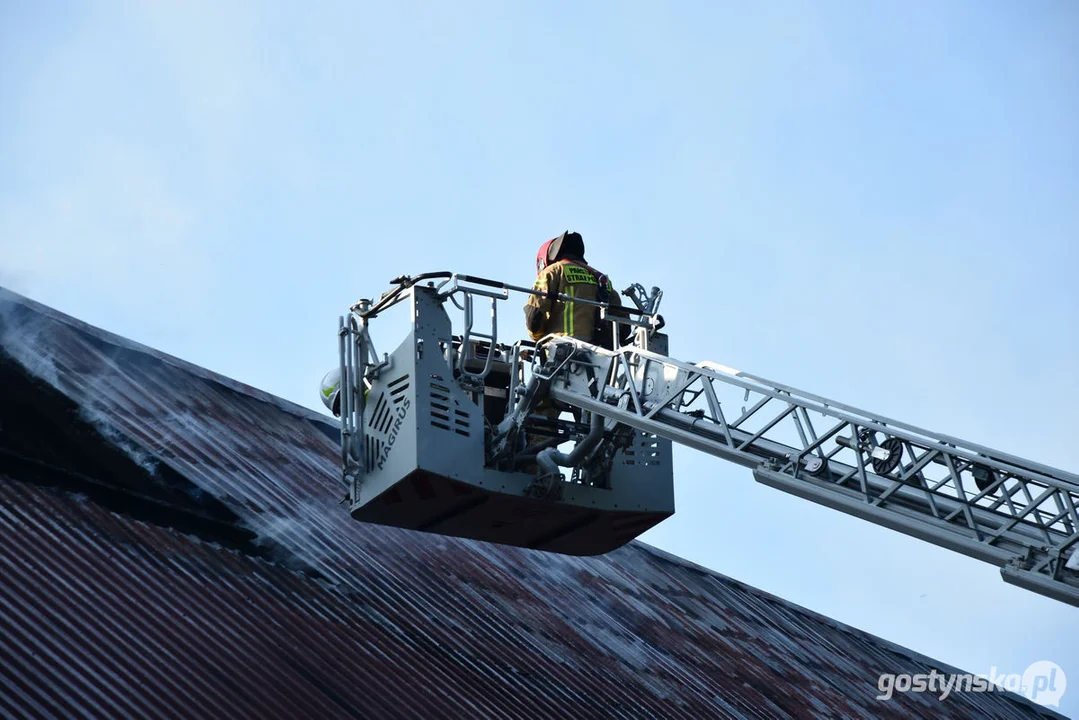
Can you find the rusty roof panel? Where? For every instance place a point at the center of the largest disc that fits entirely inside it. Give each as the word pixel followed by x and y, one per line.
pixel 108 613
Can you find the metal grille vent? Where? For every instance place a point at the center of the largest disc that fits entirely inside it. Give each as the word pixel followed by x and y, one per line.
pixel 445 414
pixel 381 418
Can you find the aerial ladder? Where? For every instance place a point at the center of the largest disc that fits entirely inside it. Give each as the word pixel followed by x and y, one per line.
pixel 444 435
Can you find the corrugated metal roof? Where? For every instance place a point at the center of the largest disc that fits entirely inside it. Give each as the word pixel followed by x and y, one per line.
pixel 111 610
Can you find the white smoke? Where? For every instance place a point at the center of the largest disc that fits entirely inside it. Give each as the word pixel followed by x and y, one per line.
pixel 27 337
pixel 26 343
pixel 291 533
pixel 101 422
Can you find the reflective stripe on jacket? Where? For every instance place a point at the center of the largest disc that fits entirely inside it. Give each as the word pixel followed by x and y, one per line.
pixel 544 315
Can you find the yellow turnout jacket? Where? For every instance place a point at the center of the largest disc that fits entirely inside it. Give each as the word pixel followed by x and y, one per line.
pixel 544 315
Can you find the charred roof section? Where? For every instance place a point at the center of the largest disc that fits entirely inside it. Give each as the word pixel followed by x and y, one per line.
pixel 175 546
pixel 44 439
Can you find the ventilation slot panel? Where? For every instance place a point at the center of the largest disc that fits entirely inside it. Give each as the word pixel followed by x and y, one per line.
pixel 461 422
pixel 397 389
pixel 374 451
pixel 445 415
pixel 644 451
pixel 378 415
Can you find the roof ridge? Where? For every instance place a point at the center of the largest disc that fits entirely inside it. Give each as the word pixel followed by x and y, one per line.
pixel 117 340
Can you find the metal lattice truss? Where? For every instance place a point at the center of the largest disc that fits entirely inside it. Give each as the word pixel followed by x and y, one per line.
pixel 1014 513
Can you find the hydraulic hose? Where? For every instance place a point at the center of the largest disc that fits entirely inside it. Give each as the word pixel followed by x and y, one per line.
pixel 549 459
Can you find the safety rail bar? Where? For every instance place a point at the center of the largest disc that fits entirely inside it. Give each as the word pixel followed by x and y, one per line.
pixel 452 284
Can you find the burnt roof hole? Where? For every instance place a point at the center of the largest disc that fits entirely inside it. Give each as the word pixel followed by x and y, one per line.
pixel 47 439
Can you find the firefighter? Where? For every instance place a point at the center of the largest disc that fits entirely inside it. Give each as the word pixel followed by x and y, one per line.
pixel 561 269
pixel 330 391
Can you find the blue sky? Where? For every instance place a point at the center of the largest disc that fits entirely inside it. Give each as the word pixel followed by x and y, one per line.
pixel 875 202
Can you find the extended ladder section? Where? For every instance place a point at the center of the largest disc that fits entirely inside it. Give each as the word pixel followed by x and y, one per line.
pixel 1014 513
pixel 461 435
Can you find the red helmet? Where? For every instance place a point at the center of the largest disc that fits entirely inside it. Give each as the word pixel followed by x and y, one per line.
pixel 566 244
pixel 542 260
